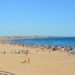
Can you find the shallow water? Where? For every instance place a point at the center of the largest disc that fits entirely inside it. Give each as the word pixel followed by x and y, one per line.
pixel 57 41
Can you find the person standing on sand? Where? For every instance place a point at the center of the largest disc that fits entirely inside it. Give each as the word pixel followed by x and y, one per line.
pixel 4 52
pixel 37 51
pixel 49 51
pixel 28 60
pixel 27 52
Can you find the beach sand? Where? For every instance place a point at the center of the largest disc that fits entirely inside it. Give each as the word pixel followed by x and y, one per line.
pixel 37 62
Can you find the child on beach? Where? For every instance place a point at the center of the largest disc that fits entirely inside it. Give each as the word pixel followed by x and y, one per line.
pixel 26 61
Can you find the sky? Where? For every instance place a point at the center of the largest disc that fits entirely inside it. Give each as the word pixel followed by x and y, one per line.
pixel 37 17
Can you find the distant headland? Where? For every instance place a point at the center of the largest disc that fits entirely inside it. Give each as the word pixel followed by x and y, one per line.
pixel 21 37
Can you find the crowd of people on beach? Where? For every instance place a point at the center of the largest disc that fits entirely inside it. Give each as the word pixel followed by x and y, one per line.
pixel 52 48
pixel 26 51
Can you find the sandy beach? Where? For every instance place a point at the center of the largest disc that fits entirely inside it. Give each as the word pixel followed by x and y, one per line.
pixel 37 61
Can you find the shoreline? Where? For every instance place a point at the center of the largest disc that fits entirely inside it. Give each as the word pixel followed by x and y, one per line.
pixel 26 60
pixel 68 49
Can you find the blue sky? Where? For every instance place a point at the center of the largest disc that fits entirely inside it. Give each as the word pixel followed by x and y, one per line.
pixel 37 17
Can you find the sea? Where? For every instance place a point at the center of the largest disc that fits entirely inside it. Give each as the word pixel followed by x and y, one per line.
pixel 52 41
